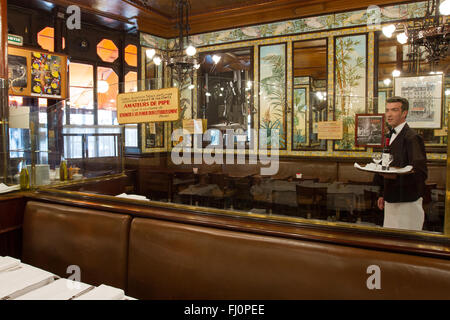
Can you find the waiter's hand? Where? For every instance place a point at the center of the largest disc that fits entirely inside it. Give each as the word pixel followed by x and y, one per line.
pixel 380 203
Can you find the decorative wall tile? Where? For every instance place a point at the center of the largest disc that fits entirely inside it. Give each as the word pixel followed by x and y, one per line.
pixel 272 90
pixel 350 86
pixel 301 29
pixel 294 26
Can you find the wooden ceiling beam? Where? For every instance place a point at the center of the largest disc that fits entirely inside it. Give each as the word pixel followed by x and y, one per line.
pixel 270 12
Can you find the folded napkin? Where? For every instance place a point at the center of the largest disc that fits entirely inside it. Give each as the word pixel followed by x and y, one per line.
pixel 132 196
pixel 22 279
pixel 4 188
pixel 103 292
pixel 61 289
pixel 8 263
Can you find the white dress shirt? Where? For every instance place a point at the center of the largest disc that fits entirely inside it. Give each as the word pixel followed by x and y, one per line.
pixel 397 131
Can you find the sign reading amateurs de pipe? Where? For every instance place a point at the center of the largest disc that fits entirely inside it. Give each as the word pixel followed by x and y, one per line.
pixel 148 106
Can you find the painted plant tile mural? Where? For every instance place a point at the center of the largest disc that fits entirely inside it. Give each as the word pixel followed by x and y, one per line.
pixel 299 116
pixel 272 98
pixel 152 41
pixel 326 22
pixel 355 18
pixel 350 85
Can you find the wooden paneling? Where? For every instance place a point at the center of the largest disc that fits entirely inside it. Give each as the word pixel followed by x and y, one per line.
pixel 157 17
pixel 3 40
pixel 110 186
pixel 11 220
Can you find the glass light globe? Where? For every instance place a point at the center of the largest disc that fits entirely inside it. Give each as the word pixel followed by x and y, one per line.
pixel 388 30
pixel 402 38
pixel 190 51
pixel 216 58
pixel 150 53
pixel 157 60
pixel 387 81
pixel 102 86
pixel 396 73
pixel 444 8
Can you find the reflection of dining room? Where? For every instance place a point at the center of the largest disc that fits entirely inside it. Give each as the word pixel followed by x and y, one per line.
pixel 234 187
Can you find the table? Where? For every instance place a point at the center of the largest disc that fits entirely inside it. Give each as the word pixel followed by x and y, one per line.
pixel 21 281
pixel 340 196
pixel 209 191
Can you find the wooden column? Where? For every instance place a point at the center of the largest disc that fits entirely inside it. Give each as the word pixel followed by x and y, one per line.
pixel 3 90
pixel 3 40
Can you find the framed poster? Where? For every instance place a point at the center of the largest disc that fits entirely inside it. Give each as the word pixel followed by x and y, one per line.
pixel 369 130
pixel 36 73
pixel 18 72
pixel 46 75
pixel 424 94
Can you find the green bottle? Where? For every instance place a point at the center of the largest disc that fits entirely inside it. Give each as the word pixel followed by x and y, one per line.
pixel 63 170
pixel 24 177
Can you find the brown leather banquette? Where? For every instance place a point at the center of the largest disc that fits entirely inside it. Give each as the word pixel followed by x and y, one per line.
pixel 153 258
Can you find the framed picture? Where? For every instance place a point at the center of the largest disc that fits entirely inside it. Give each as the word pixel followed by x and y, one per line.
pixel 46 74
pixel 369 130
pixel 424 94
pixel 36 73
pixel 18 72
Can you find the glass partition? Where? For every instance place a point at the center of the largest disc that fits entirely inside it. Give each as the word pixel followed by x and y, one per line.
pixel 41 142
pixel 218 160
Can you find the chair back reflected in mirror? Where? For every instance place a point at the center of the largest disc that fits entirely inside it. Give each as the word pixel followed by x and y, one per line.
pixel 366 207
pixel 306 201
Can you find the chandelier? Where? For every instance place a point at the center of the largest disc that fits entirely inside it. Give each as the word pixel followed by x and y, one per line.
pixel 181 58
pixel 432 32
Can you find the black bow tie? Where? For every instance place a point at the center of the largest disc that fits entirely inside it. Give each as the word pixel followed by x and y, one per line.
pixel 391 132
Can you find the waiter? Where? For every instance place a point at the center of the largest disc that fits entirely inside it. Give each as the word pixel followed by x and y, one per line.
pixel 401 195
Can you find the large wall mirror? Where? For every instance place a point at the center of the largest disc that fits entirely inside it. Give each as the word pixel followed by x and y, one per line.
pixel 403 72
pixel 309 105
pixel 225 97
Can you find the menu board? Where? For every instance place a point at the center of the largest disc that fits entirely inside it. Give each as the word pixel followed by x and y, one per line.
pixel 332 130
pixel 36 73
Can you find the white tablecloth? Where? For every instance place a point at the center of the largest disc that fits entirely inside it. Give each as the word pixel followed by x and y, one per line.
pixel 20 281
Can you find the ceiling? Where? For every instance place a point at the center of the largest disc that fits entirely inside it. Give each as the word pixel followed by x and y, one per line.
pixel 157 17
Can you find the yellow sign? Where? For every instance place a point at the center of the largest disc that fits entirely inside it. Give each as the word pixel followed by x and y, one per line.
pixel 333 130
pixel 148 106
pixel 440 132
